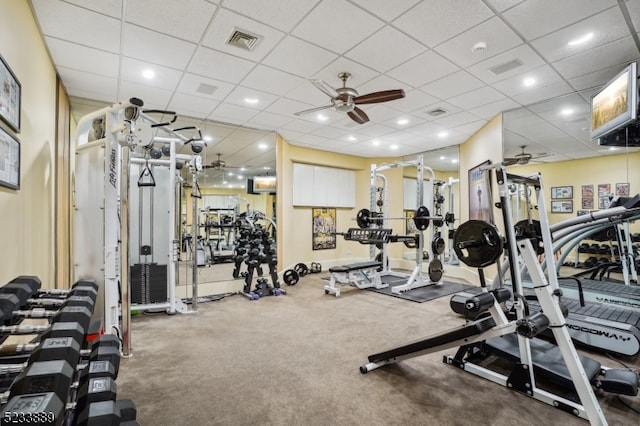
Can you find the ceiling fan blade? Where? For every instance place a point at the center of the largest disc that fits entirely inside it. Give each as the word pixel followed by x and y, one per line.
pixel 309 111
pixel 325 88
pixel 376 97
pixel 358 115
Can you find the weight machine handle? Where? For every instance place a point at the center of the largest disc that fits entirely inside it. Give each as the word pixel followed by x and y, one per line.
pixel 163 112
pixel 146 172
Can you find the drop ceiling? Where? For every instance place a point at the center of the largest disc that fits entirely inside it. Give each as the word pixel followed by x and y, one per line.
pixel 427 48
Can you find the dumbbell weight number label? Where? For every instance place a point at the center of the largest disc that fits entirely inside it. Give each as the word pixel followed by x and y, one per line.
pixel 30 417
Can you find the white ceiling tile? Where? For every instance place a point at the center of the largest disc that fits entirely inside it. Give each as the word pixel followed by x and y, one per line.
pixel 454 120
pixel 190 84
pixel 227 22
pixel 268 120
pixel 452 85
pixel 385 49
pixel 191 105
pixel 606 27
pixel 112 8
pixel 82 58
pixel 164 78
pixel 302 126
pixel 239 96
pixel 218 65
pixel 359 73
pixel 633 7
pixel 330 132
pixel 594 79
pixel 488 111
pixel 432 66
pixel 374 130
pixel 73 23
pixel 272 81
pixel 621 51
pixel 448 107
pixel 497 36
pixel 232 114
pixel 89 82
pixel 543 77
pixel 502 5
pixel 536 18
pixel 471 128
pixel 349 26
pixel 298 57
pixel 414 100
pixel 156 48
pixel 380 112
pixel 433 21
pixel 288 107
pixel 476 97
pixel 283 14
pixel 384 9
pixel 524 54
pixel 540 93
pixel 186 19
pixel 153 97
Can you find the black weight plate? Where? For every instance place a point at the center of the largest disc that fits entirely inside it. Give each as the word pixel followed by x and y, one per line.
pixel 437 245
pixel 477 243
pixel 363 218
pixel 421 218
pixel 435 270
pixel 301 269
pixel 290 277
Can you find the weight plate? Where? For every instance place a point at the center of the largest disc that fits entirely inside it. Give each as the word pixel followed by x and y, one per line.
pixel 301 269
pixel 437 245
pixel 421 218
pixel 290 277
pixel 363 218
pixel 435 270
pixel 477 243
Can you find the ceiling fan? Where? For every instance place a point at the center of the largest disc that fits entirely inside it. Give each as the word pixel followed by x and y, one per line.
pixel 521 158
pixel 218 164
pixel 345 99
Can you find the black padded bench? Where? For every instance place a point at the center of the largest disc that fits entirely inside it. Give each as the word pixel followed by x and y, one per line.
pixel 362 275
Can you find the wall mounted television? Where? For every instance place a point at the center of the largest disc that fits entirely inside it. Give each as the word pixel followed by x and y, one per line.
pixel 615 105
pixel 264 184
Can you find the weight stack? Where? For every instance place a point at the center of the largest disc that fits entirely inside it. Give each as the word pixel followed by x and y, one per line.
pixel 148 283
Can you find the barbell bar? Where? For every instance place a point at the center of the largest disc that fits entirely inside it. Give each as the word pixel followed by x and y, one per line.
pixel 421 218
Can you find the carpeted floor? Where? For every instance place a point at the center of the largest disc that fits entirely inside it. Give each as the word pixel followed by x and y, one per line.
pixel 294 359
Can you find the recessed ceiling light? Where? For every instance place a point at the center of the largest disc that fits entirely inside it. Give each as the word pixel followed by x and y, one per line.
pixel 566 111
pixel 224 182
pixel 442 157
pixel 403 121
pixel 263 146
pixel 239 177
pixel 251 100
pixel 375 142
pixel 243 169
pixel 148 74
pixel 454 160
pixel 393 147
pixel 529 81
pixel 443 134
pixel 580 40
pixel 267 168
pixel 612 148
pixel 322 117
pixel 352 138
pixel 207 138
pixel 230 174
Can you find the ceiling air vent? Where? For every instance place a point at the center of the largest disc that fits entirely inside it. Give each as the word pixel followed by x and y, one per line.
pixel 243 39
pixel 206 89
pixel 436 112
pixel 507 66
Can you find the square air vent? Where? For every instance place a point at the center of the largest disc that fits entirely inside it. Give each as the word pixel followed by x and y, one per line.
pixel 507 66
pixel 243 39
pixel 206 89
pixel 436 112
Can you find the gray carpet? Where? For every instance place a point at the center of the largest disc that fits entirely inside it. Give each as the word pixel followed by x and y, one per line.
pixel 293 360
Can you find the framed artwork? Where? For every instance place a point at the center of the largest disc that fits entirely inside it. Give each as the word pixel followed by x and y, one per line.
pixel 410 227
pixel 562 192
pixel 480 200
pixel 623 189
pixel 323 228
pixel 587 191
pixel 582 212
pixel 562 206
pixel 587 203
pixel 603 202
pixel 10 96
pixel 604 189
pixel 9 160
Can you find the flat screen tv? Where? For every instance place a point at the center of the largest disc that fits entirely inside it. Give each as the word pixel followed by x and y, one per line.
pixel 615 105
pixel 264 184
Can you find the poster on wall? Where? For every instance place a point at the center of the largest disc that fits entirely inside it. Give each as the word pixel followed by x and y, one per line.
pixel 324 228
pixel 480 193
pixel 10 94
pixel 410 225
pixel 9 160
pixel 604 189
pixel 622 189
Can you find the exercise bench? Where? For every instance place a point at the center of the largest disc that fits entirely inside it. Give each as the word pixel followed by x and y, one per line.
pixel 362 275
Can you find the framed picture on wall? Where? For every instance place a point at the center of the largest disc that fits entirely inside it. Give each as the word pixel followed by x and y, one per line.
pixel 410 227
pixel 603 202
pixel 323 228
pixel 562 207
pixel 562 192
pixel 480 200
pixel 622 189
pixel 9 160
pixel 10 96
pixel 587 191
pixel 587 203
pixel 582 212
pixel 604 189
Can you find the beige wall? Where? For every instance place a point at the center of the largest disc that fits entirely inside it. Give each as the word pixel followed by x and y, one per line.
pixel 27 215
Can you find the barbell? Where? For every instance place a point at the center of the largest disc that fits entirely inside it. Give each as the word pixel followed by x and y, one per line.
pixel 421 218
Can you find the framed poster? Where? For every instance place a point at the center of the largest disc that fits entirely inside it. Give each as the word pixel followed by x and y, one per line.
pixel 622 189
pixel 582 212
pixel 587 203
pixel 9 160
pixel 603 202
pixel 562 192
pixel 10 95
pixel 480 199
pixel 323 228
pixel 604 189
pixel 561 206
pixel 587 191
pixel 410 227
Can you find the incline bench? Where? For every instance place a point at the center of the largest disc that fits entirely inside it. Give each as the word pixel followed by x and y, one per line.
pixel 362 275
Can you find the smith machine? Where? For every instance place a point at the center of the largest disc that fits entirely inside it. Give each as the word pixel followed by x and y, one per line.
pixel 118 147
